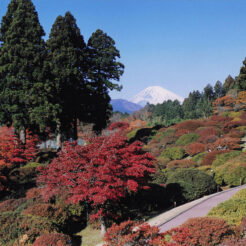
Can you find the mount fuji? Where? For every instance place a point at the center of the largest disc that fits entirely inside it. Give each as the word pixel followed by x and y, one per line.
pixel 155 95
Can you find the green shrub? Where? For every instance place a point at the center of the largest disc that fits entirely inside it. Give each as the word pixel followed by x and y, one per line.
pixel 175 153
pixel 232 211
pixel 132 134
pixel 162 162
pixel 199 157
pixel 236 176
pixel 160 177
pixel 187 138
pixel 222 158
pixel 240 195
pixel 232 114
pixel 232 173
pixel 32 165
pixel 206 169
pixel 168 132
pixel 193 183
pixel 241 128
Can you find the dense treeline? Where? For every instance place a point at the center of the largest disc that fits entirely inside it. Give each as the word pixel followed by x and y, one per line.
pixel 196 105
pixel 47 87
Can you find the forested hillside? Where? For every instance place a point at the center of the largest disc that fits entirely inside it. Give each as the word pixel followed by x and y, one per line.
pixel 126 168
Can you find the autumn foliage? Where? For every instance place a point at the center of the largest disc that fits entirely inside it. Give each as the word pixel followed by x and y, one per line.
pixel 211 156
pixel 181 164
pixel 207 231
pixel 227 143
pixel 12 151
pixel 135 233
pixel 54 239
pixel 233 124
pixel 195 148
pixel 208 131
pixel 223 104
pixel 241 100
pixel 102 171
pixel 119 125
pixel 190 125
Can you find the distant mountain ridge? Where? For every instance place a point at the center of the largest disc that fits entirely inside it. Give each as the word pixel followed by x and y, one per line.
pixel 155 95
pixel 124 106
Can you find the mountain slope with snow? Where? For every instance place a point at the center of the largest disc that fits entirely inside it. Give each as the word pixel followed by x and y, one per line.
pixel 155 95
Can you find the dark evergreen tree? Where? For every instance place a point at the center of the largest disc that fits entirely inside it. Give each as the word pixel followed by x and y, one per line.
pixel 219 91
pixel 189 105
pixel 103 69
pixel 7 19
pixel 241 79
pixel 21 63
pixel 66 57
pixel 169 111
pixel 208 92
pixel 204 108
pixel 229 83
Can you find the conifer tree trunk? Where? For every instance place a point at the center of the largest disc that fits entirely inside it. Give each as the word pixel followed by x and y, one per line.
pixel 103 227
pixel 75 130
pixel 23 136
pixel 58 137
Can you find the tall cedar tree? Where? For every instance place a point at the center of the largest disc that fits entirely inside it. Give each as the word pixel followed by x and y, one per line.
pixel 219 90
pixel 99 173
pixel 21 61
pixel 241 79
pixel 229 83
pixel 66 58
pixel 103 68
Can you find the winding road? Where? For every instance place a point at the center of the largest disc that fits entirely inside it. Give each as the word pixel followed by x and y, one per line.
pixel 197 208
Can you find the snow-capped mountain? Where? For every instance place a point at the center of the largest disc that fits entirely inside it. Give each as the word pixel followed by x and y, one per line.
pixel 155 95
pixel 124 106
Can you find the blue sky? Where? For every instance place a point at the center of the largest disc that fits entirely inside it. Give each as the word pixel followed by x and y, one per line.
pixel 181 45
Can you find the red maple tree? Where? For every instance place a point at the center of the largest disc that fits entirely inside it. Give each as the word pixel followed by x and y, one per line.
pixel 99 173
pixel 12 151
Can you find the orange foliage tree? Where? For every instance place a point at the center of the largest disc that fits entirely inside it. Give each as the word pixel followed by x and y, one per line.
pixel 195 148
pixel 181 164
pixel 233 124
pixel 223 104
pixel 227 143
pixel 241 100
pixel 207 231
pixel 211 156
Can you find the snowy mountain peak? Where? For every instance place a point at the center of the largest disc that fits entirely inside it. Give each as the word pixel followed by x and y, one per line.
pixel 155 95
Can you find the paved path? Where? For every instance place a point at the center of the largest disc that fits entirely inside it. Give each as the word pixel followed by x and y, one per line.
pixel 197 208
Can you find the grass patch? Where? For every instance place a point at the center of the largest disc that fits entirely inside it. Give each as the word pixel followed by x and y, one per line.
pixel 90 236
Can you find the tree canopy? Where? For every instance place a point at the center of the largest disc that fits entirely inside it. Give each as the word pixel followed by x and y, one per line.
pixel 103 69
pixel 21 63
pixel 66 63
